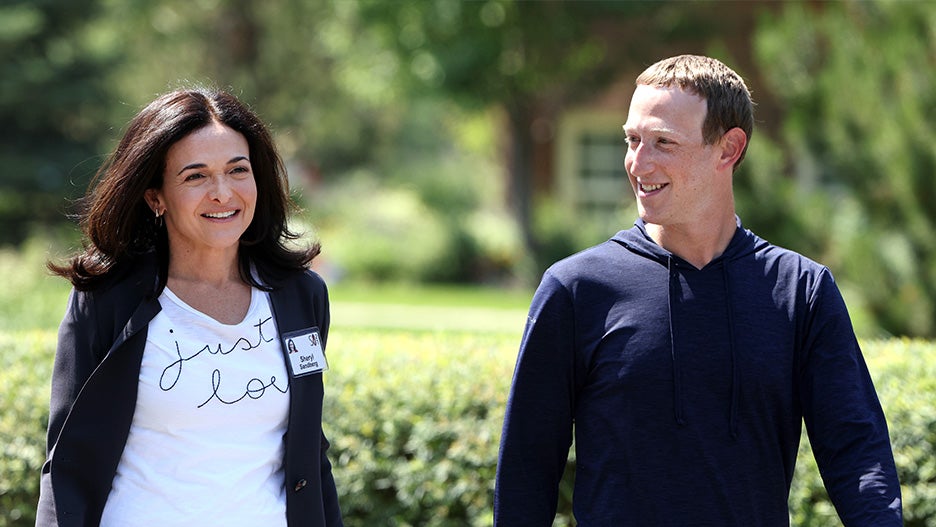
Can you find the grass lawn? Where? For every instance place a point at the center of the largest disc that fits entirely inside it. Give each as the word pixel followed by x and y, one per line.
pixel 429 308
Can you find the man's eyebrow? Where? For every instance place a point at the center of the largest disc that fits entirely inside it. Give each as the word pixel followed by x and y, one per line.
pixel 654 130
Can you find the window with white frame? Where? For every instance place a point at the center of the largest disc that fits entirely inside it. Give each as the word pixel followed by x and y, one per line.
pixel 590 160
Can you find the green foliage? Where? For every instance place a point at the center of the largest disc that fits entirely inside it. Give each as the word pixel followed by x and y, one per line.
pixel 855 82
pixel 25 369
pixel 423 450
pixel 507 54
pixel 414 420
pixel 426 220
pixel 307 68
pixel 560 232
pixel 500 51
pixel 395 237
pixel 904 373
pixel 30 297
pixel 51 105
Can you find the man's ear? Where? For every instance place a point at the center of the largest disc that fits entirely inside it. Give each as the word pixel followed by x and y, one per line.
pixel 732 146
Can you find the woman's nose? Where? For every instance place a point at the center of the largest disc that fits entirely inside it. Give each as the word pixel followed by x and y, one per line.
pixel 220 189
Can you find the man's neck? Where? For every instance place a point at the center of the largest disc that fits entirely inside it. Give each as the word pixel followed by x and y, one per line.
pixel 697 244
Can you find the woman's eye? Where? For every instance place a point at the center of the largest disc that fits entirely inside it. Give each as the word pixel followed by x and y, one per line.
pixel 193 177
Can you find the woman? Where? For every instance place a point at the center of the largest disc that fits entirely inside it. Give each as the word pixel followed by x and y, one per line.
pixel 175 400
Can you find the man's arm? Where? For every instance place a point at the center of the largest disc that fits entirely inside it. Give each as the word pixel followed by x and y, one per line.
pixel 844 419
pixel 537 429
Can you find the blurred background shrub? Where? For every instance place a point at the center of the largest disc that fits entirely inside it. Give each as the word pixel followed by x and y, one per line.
pixel 445 123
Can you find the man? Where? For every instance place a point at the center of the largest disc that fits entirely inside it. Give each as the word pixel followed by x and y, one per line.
pixel 685 353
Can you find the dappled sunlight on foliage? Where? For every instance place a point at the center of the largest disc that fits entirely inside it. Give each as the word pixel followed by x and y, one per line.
pixel 859 93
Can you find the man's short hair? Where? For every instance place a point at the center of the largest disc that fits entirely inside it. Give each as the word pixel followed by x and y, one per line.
pixel 727 98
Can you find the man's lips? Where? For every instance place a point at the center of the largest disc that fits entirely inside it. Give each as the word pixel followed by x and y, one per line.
pixel 648 188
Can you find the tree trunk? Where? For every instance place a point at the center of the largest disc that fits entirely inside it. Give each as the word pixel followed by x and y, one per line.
pixel 520 172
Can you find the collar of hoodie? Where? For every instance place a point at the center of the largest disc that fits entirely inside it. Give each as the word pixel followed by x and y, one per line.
pixel 742 244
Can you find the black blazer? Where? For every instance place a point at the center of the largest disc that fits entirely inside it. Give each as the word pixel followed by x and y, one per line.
pixel 94 387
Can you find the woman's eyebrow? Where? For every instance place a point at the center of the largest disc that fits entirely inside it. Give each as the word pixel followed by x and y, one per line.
pixel 202 165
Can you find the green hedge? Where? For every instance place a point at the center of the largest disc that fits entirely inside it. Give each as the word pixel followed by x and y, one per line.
pixel 414 419
pixel 25 368
pixel 904 372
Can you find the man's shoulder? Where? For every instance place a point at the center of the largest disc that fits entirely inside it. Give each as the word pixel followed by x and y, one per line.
pixel 785 257
pixel 595 253
pixel 593 262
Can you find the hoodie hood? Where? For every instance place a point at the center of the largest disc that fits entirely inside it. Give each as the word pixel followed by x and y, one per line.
pixel 744 243
pixel 636 240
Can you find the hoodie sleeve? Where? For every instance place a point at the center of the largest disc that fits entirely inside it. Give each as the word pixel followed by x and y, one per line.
pixel 844 419
pixel 538 421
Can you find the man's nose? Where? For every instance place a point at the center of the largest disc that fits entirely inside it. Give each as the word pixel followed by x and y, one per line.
pixel 638 160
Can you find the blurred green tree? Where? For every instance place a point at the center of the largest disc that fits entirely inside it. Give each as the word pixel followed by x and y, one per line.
pixel 323 88
pixel 53 88
pixel 527 58
pixel 856 82
pixel 842 169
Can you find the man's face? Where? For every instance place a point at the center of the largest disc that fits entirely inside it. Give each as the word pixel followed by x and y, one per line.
pixel 670 168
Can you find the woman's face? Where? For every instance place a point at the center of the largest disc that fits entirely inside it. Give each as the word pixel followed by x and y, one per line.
pixel 209 194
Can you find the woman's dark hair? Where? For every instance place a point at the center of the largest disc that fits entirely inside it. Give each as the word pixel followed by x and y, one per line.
pixel 118 225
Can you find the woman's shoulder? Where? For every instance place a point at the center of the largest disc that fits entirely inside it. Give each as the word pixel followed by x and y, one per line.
pixel 106 307
pixel 306 279
pixel 129 280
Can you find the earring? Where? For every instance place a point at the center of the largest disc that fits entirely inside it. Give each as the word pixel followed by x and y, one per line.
pixel 158 221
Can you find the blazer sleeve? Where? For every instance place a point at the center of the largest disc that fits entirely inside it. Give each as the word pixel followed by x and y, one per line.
pixel 329 489
pixel 77 354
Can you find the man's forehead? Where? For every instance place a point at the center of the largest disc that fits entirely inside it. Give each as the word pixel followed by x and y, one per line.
pixel 665 110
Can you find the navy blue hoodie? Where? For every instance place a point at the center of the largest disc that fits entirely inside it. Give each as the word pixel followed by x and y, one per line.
pixel 686 390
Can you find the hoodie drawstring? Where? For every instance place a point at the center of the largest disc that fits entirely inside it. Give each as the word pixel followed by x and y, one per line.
pixel 742 245
pixel 735 377
pixel 677 383
pixel 678 403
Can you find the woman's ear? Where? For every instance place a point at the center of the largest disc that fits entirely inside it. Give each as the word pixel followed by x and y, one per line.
pixel 732 146
pixel 152 199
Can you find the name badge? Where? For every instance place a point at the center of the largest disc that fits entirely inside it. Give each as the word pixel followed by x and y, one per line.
pixel 305 352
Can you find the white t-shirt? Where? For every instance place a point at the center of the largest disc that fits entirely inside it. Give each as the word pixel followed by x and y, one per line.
pixel 206 443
